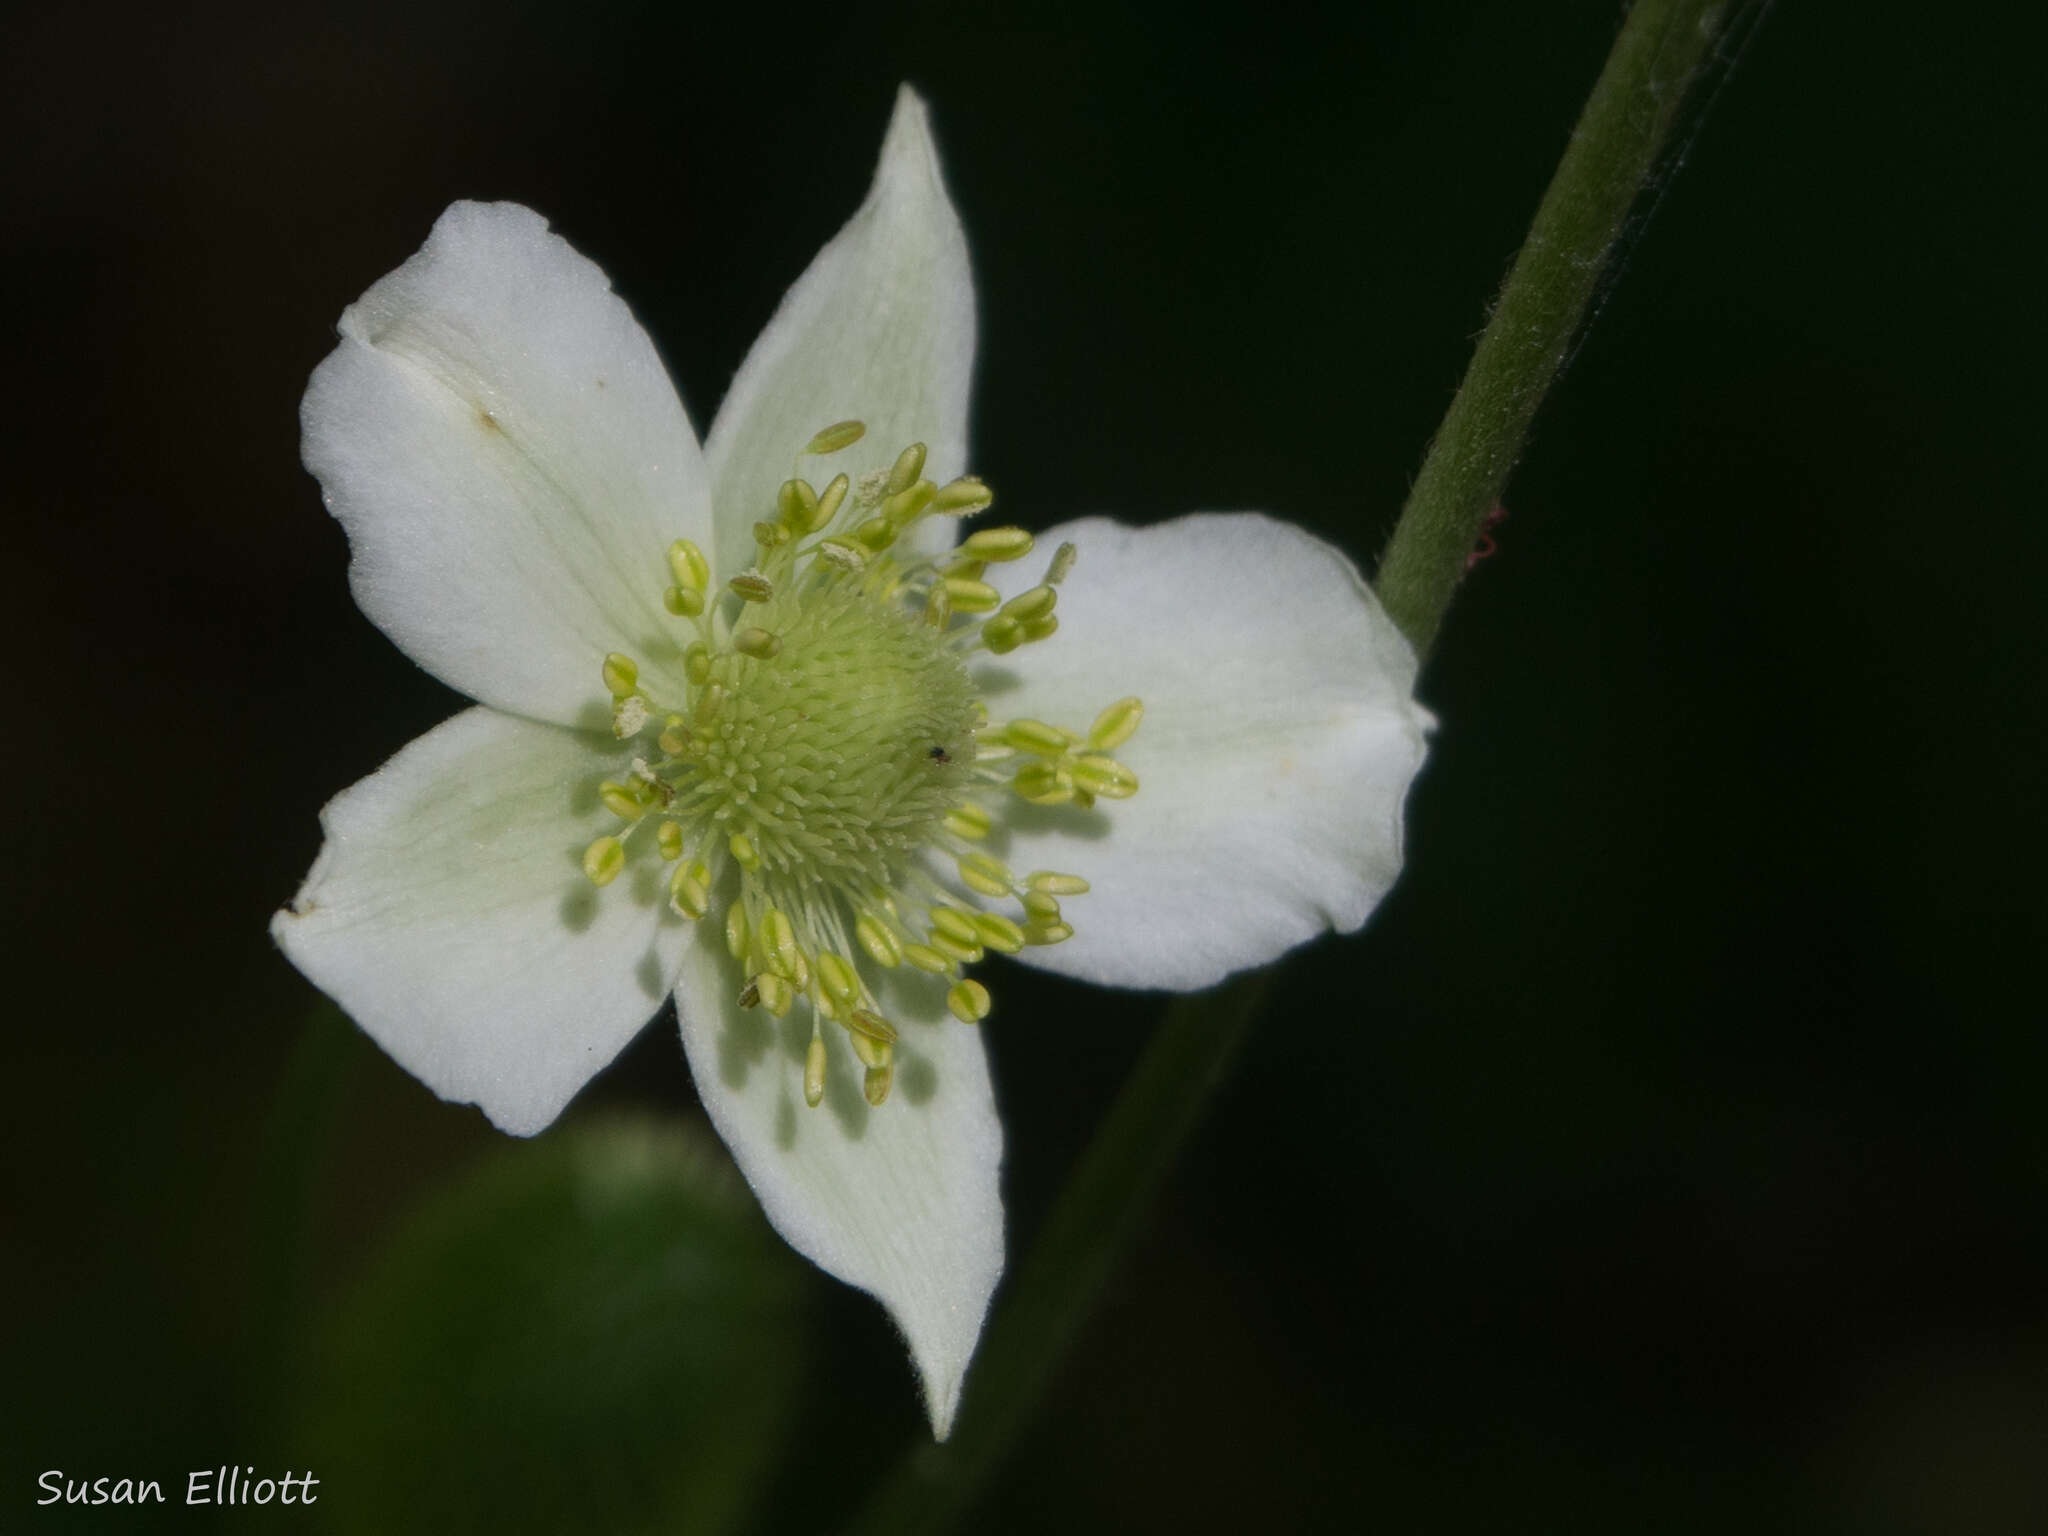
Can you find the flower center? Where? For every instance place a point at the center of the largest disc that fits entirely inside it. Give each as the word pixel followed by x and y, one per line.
pixel 829 744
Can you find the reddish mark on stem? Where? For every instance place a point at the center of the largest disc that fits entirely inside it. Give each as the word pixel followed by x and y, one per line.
pixel 1486 545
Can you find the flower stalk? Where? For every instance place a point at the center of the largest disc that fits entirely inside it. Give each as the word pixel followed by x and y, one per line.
pixel 1622 140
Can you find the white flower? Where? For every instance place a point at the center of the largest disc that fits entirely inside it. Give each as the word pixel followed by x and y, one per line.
pixel 780 752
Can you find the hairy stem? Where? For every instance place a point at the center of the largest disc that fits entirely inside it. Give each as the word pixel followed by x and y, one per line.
pixel 1620 142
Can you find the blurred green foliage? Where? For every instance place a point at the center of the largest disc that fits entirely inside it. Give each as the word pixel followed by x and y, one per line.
pixel 594 1331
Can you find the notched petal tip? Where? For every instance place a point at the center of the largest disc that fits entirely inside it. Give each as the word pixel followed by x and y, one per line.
pixel 442 916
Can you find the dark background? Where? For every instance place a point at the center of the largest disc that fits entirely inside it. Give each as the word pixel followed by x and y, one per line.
pixel 1666 1155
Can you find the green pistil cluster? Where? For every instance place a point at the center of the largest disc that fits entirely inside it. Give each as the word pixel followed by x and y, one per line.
pixel 830 746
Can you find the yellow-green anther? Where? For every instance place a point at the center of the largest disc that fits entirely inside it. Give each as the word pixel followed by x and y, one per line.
pixel 1002 635
pixel 824 1007
pixel 938 605
pixel 997 544
pixel 971 569
pixel 1041 908
pixel 998 932
pixel 1115 725
pixel 874 1087
pixel 1104 776
pixel 972 596
pixel 865 1021
pixel 969 1001
pixel 836 976
pixel 752 640
pixel 969 821
pixel 675 736
pixel 1047 933
pixel 620 801
pixel 687 893
pixel 993 751
pixel 948 923
pixel 1044 783
pixel 1053 883
pixel 964 952
pixel 697 662
pixel 752 586
pixel 795 506
pixel 668 837
pixel 828 503
pixel 872 1053
pixel 841 434
pixel 814 1070
pixel 876 534
pixel 771 535
pixel 1062 562
pixel 1035 604
pixel 621 675
pixel 903 474
pixel 991 877
pixel 736 930
pixel 963 497
pixel 603 860
pixel 925 958
pixel 1038 629
pixel 882 945
pixel 743 852
pixel 686 563
pixel 778 941
pixel 776 994
pixel 907 506
pixel 843 553
pixel 683 602
pixel 1038 738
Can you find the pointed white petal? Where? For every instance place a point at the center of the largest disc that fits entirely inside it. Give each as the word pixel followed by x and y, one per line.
pixel 880 329
pixel 449 916
pixel 510 460
pixel 1278 742
pixel 901 1201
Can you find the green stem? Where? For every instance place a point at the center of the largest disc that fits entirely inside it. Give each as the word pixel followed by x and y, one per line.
pixel 1092 1224
pixel 1616 148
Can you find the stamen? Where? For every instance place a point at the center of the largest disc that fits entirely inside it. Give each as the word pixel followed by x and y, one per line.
pixel 1115 725
pixel 621 675
pixel 841 434
pixel 963 497
pixel 814 1070
pixel 687 565
pixel 904 473
pixel 829 741
pixel 969 1001
pixel 997 544
pixel 603 860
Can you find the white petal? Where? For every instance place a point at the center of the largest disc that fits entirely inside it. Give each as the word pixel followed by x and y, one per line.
pixel 1278 742
pixel 510 460
pixel 449 916
pixel 901 1201
pixel 880 329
